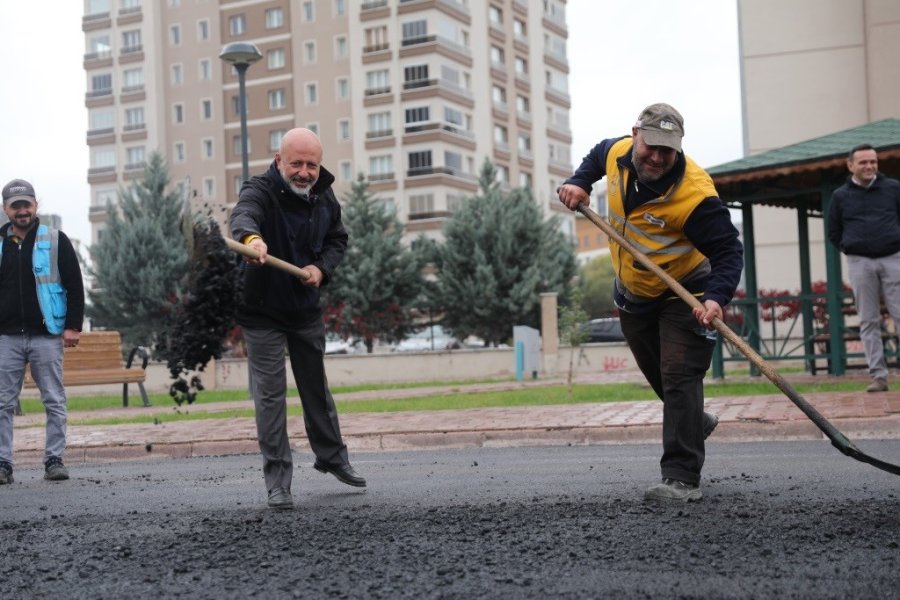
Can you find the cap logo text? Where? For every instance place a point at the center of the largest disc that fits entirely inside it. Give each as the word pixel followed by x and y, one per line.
pixel 666 125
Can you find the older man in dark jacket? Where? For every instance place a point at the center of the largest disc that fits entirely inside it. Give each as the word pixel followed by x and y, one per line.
pixel 292 212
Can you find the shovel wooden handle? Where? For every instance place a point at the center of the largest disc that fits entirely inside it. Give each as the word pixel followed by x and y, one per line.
pixel 270 260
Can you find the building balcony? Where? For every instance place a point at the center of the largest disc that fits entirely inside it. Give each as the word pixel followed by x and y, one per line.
pixel 129 15
pixel 376 53
pixel 427 44
pixel 557 61
pixel 377 177
pixel 431 88
pixel 434 214
pixel 96 21
pixel 97 60
pixel 556 24
pixel 452 8
pixel 374 9
pixel 96 137
pixel 381 133
pixel 102 175
pixel 558 97
pixel 420 177
pixel 132 93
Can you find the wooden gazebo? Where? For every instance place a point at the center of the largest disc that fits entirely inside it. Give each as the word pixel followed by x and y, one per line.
pixel 802 177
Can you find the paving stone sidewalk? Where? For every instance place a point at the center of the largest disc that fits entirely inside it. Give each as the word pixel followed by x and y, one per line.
pixel 748 418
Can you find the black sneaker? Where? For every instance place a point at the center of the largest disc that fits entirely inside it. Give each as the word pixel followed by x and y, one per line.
pixel 5 473
pixel 55 470
pixel 672 489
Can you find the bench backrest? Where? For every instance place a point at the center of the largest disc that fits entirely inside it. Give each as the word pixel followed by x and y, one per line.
pixel 95 350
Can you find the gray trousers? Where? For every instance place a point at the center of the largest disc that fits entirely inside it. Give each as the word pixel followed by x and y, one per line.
pixel 871 278
pixel 45 354
pixel 268 387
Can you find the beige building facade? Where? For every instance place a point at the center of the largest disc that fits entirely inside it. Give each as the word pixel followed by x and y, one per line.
pixel 810 68
pixel 412 94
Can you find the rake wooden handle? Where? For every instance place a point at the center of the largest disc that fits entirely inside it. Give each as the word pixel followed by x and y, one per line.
pixel 270 260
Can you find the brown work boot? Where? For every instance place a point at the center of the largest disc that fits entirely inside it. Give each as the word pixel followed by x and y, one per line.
pixel 879 384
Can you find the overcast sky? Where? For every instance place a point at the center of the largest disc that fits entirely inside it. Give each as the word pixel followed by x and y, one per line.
pixel 622 56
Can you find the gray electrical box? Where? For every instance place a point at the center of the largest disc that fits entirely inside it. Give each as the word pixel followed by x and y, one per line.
pixel 527 342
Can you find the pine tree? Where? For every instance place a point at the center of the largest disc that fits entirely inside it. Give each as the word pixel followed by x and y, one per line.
pixel 596 284
pixel 374 291
pixel 139 260
pixel 499 255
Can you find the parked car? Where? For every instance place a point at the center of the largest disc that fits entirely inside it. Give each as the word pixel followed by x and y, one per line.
pixel 430 338
pixel 335 345
pixel 603 330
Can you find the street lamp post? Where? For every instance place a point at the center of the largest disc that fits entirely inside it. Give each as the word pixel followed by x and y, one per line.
pixel 241 55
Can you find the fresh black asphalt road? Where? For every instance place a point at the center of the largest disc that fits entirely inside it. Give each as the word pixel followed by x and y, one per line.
pixel 778 520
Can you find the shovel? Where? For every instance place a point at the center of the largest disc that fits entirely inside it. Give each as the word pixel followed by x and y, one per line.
pixel 270 260
pixel 838 439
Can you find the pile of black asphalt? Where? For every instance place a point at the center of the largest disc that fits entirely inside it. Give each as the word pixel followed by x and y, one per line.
pixel 777 520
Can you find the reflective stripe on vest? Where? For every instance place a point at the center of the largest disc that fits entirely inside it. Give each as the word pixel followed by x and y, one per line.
pixel 45 265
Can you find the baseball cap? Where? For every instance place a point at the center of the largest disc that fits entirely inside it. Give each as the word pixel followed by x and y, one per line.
pixel 18 189
pixel 661 125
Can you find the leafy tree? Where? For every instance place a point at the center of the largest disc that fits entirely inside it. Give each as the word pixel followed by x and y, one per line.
pixel 139 260
pixel 375 289
pixel 596 282
pixel 499 255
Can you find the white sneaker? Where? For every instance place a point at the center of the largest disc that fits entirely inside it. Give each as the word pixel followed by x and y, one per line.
pixel 672 489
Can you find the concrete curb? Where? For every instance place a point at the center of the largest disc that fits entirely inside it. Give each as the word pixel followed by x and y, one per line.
pixel 734 431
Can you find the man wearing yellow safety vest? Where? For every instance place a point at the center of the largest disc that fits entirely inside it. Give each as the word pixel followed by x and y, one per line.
pixel 41 311
pixel 667 207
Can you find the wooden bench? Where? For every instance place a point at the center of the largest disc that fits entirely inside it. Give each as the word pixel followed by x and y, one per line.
pixel 97 360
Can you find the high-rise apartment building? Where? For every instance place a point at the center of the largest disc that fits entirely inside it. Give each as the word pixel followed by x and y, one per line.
pixel 413 94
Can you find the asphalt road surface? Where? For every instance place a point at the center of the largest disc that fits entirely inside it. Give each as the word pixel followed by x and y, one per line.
pixel 786 520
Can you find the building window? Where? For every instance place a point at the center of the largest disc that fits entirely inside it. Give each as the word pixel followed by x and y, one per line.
pixel 340 8
pixel 175 35
pixel 415 76
pixel 180 153
pixel 133 79
pixel 381 167
pixel 521 66
pixel 414 31
pixel 275 138
pixel 237 24
pixel 312 93
pixel 522 104
pixel 134 118
pixel 203 30
pixel 313 126
pixel 206 111
pixel 97 7
pixel 236 105
pixel 453 161
pixel 276 99
pixel 379 125
pixel 275 58
pixel 274 18
pixel 421 204
pixel 101 84
pixel 102 121
pixel 103 158
pixel 519 27
pixel 500 134
pixel 502 174
pixel 343 88
pixel 346 171
pixel 343 130
pixel 134 156
pixel 495 15
pixel 131 41
pixel 105 198
pixel 453 116
pixel 308 11
pixel 498 94
pixel 178 113
pixel 205 70
pixel 340 47
pixel 378 82
pixel 525 180
pixel 418 114
pixel 376 39
pixel 208 148
pixel 209 187
pixel 177 75
pixel 524 143
pixel 497 55
pixel 309 52
pixel 419 162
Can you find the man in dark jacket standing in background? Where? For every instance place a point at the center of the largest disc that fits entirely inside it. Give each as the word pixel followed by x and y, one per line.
pixel 292 212
pixel 41 310
pixel 864 223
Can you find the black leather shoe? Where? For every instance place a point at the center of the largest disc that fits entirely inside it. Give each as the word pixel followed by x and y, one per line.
pixel 344 473
pixel 281 498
